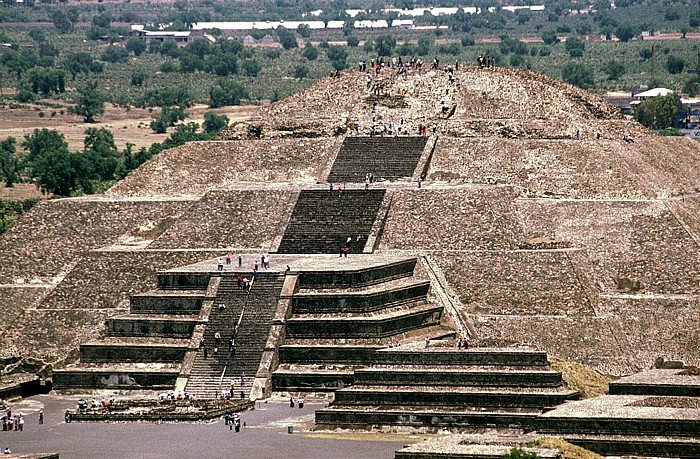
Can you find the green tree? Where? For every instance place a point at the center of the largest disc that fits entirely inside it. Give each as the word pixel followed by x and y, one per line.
pixel 614 69
pixel 214 123
pixel 136 46
pixel 61 20
pixel 9 163
pixel 47 81
pixel 579 75
pixel 338 56
pixel 310 52
pixel 675 64
pixel 167 117
pixel 101 151
pixel 658 112
pixel 550 37
pixel 384 45
pixel 574 47
pixel 353 41
pixel 115 54
pixel 50 163
pixel 250 67
pixel 625 32
pixel 304 30
pixel 228 92
pixel 287 38
pixel 89 102
pixel 81 62
pixel 301 71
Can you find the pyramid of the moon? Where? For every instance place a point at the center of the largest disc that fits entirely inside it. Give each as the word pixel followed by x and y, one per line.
pixel 540 224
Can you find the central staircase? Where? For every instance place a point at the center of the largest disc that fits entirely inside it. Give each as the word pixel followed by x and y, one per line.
pixel 386 158
pixel 252 313
pixel 322 221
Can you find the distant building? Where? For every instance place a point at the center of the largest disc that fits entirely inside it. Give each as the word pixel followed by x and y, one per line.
pixel 139 31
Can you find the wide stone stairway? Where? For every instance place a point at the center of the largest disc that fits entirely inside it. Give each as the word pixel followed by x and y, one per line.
pixel 387 158
pixel 252 313
pixel 341 319
pixel 322 221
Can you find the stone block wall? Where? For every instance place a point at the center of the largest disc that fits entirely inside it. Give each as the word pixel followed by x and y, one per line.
pixel 250 219
pixel 517 283
pixel 48 240
pixel 451 219
pixel 636 240
pixel 198 167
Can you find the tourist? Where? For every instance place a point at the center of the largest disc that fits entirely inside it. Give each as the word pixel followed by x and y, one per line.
pixel 41 417
pixel 237 422
pixel 21 423
pixel 420 180
pixel 217 338
pixel 301 402
pixel 427 342
pixel 291 402
pixel 228 259
pixel 67 417
pixel 239 282
pixel 220 264
pixel 240 261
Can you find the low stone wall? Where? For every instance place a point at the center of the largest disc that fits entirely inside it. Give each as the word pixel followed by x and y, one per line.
pixel 456 377
pixel 618 426
pixel 323 381
pixel 358 302
pixel 165 328
pixel 429 418
pixel 140 410
pixel 357 278
pixel 183 281
pixel 114 380
pixel 638 446
pixel 387 396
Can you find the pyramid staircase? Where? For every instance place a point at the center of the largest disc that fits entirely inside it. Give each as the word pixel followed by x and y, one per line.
pixel 387 158
pixel 322 221
pixel 341 319
pixel 252 314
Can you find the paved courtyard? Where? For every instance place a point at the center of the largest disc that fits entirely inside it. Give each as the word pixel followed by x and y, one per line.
pixel 264 436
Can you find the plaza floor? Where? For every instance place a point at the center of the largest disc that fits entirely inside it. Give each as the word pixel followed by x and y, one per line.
pixel 265 435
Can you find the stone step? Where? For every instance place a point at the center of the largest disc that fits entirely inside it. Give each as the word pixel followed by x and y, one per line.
pixel 464 396
pixel 420 417
pixel 356 278
pixel 635 445
pixel 311 380
pixel 183 281
pixel 164 302
pixel 390 323
pixel 458 376
pixel 358 302
pixel 134 350
pixel 117 376
pixel 660 382
pixel 326 352
pixel 152 325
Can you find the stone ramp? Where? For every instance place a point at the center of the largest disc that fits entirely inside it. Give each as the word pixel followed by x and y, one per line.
pixel 251 315
pixel 386 158
pixel 322 221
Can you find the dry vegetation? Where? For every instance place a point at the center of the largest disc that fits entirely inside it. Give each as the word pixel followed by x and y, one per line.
pixel 579 377
pixel 568 450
